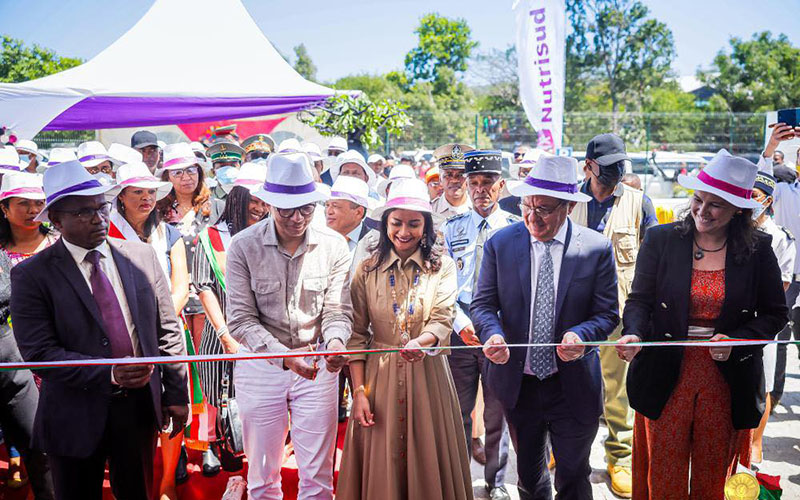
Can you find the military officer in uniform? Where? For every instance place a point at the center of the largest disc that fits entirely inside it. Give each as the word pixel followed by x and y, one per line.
pixel 464 237
pixel 225 154
pixel 258 146
pixel 454 201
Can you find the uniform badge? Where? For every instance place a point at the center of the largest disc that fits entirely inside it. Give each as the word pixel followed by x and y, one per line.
pixel 460 263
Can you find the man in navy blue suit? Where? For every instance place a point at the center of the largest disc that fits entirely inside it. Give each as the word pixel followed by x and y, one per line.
pixel 547 281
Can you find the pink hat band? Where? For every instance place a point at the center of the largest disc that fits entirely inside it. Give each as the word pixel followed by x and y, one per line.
pixel 20 191
pixel 134 180
pixel 247 182
pixel 176 161
pixel 407 200
pixel 724 186
pixel 350 197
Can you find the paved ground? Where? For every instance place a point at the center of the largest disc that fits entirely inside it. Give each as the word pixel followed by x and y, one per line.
pixel 781 447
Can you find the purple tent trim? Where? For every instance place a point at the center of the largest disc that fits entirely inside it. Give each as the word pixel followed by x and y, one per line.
pixel 119 112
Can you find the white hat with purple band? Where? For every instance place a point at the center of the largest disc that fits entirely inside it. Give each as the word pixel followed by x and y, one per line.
pixel 178 156
pixel 92 154
pixel 121 154
pixel 68 179
pixel 397 172
pixel 9 160
pixel 137 175
pixel 354 157
pixel 290 182
pixel 351 189
pixel 727 176
pixel 59 156
pixel 554 176
pixel 290 145
pixel 405 194
pixel 251 176
pixel 22 185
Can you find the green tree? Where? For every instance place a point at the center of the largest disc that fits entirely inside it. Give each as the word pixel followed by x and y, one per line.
pixel 19 63
pixel 303 63
pixel 615 41
pixel 759 74
pixel 442 43
pixel 497 74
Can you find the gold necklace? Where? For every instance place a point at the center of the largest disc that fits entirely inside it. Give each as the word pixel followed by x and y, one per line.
pixel 402 320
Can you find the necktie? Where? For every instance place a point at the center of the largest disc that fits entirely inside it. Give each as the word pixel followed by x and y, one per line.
pixel 483 233
pixel 540 359
pixel 110 310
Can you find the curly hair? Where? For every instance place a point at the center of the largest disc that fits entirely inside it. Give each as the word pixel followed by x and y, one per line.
pixel 431 251
pixel 200 198
pixel 742 233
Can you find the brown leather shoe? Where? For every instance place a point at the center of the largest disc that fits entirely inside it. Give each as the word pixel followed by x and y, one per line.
pixel 478 451
pixel 621 480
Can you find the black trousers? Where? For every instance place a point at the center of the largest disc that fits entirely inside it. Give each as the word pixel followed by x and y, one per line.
pixel 543 410
pixel 128 444
pixel 19 398
pixel 792 329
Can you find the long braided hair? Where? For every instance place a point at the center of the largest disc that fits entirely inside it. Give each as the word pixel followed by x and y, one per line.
pixel 237 209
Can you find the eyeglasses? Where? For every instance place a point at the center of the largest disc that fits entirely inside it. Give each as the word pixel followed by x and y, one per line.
pixel 87 214
pixel 305 211
pixel 518 154
pixel 539 211
pixel 180 172
pixel 106 169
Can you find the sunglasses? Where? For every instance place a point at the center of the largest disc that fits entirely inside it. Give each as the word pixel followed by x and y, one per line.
pixel 305 211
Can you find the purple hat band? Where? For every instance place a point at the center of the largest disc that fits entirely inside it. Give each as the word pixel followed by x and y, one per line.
pixel 351 197
pixel 10 167
pixel 283 189
pixel 176 161
pixel 94 183
pixel 93 157
pixel 551 185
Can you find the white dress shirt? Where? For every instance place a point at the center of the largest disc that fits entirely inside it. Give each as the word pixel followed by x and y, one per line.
pixel 110 269
pixel 786 205
pixel 537 252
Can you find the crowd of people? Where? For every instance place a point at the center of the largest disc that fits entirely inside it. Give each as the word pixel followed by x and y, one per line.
pixel 478 292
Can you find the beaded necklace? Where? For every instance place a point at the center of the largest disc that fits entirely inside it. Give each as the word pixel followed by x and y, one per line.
pixel 402 324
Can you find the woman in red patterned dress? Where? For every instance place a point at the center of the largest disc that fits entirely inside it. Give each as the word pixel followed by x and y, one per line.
pixel 710 277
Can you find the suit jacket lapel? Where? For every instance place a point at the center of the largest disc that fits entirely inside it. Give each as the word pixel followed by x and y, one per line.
pixel 683 278
pixel 69 269
pixel 125 269
pixel 523 256
pixel 572 250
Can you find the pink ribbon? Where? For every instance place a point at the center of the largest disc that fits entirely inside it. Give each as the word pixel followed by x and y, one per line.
pixel 175 161
pixel 22 190
pixel 403 200
pixel 134 180
pixel 724 186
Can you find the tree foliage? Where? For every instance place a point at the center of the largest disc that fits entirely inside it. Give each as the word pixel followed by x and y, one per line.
pixel 357 118
pixel 442 43
pixel 19 63
pixel 303 63
pixel 615 41
pixel 759 74
pixel 496 73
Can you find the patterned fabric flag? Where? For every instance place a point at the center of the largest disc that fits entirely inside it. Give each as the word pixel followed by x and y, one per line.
pixel 196 433
pixel 770 487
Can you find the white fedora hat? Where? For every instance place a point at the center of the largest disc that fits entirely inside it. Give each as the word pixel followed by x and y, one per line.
pixel 353 156
pixel 312 150
pixel 529 159
pixel 351 189
pixel 9 160
pixel 178 156
pixel 68 179
pixel 251 176
pixel 375 158
pixel 290 146
pixel 727 176
pixel 554 176
pixel 397 172
pixel 22 185
pixel 28 146
pixel 92 154
pixel 60 155
pixel 137 174
pixel 338 144
pixel 121 154
pixel 405 194
pixel 290 182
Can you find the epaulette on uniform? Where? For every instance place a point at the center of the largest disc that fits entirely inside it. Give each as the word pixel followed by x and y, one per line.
pixel 458 216
pixel 788 233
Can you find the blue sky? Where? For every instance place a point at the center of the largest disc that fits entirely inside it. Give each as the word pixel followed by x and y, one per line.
pixel 356 36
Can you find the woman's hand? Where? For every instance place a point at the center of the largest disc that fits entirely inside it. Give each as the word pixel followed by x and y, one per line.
pixel 361 411
pixel 229 344
pixel 627 353
pixel 719 353
pixel 412 351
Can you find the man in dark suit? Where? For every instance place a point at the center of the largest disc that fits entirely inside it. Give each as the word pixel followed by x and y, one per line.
pixel 87 297
pixel 547 280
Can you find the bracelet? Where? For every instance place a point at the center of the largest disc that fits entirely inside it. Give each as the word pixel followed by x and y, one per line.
pixel 360 388
pixel 222 331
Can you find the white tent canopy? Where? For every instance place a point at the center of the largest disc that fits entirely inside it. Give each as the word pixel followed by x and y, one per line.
pixel 165 70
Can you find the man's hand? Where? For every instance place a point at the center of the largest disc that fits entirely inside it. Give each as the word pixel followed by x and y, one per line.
pixel 132 376
pixel 571 347
pixel 720 353
pixel 625 352
pixel 780 132
pixel 301 365
pixel 335 363
pixel 496 350
pixel 179 415
pixel 467 334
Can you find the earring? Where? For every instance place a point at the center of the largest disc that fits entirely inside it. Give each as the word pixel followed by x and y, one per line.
pixel 424 241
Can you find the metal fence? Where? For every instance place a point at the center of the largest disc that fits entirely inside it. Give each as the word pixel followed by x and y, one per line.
pixel 678 132
pixel 63 138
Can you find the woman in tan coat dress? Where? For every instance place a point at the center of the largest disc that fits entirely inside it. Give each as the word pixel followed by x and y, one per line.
pixel 405 437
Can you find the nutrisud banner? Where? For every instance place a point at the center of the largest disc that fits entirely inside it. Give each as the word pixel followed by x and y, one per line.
pixel 540 26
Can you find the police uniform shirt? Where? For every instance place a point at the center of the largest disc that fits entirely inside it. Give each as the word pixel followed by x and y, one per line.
pixel 442 207
pixel 460 237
